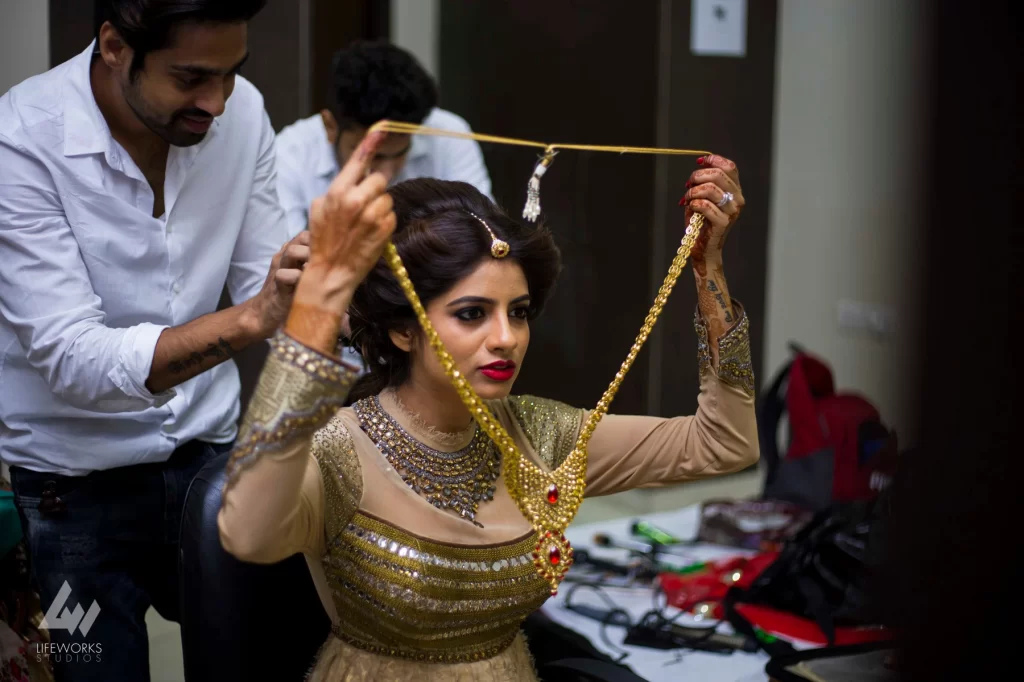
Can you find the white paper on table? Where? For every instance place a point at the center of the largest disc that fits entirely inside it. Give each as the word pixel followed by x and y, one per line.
pixel 655 665
pixel 719 28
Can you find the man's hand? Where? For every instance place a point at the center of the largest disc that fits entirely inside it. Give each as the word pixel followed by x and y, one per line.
pixel 190 349
pixel 270 307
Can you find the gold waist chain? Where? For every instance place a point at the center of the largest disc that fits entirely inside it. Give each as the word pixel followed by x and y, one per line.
pixel 549 501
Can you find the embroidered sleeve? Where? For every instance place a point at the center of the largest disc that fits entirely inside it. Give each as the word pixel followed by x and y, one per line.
pixel 335 453
pixel 298 392
pixel 551 426
pixel 734 365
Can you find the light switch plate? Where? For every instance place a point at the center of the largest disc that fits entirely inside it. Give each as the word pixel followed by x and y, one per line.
pixel 859 316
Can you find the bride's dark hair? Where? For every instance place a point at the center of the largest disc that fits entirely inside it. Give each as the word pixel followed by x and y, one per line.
pixel 440 242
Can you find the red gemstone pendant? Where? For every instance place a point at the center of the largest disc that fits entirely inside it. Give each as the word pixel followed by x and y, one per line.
pixel 553 494
pixel 552 566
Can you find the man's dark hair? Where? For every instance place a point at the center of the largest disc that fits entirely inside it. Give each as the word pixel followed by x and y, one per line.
pixel 146 25
pixel 377 80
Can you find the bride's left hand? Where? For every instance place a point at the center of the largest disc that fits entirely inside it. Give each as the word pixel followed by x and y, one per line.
pixel 706 189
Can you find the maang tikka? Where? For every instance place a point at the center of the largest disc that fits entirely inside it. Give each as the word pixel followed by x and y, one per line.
pixel 499 248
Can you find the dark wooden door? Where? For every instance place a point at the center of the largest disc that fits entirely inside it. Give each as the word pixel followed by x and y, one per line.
pixel 568 72
pixel 607 72
pixel 724 104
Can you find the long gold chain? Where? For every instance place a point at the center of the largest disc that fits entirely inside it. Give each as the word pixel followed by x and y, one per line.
pixel 548 500
pixel 416 129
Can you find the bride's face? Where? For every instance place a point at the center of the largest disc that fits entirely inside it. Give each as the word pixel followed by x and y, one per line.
pixel 482 322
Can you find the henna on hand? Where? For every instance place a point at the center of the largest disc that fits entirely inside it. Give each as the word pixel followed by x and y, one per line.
pixel 705 188
pixel 700 248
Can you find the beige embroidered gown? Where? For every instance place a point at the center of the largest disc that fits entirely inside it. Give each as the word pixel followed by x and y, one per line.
pixel 413 591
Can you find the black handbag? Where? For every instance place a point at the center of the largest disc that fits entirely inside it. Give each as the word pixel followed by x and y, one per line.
pixel 824 574
pixel 875 662
pixel 564 655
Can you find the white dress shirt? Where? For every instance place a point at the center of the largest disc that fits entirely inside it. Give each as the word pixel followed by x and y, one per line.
pixel 307 162
pixel 89 278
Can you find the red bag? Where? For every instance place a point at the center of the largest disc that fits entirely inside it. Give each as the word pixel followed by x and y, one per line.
pixel 839 450
pixel 711 583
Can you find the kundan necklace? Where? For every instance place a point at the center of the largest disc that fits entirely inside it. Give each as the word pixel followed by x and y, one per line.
pixel 548 500
pixel 458 481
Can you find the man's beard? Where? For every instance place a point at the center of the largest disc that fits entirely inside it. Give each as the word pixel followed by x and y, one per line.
pixel 168 132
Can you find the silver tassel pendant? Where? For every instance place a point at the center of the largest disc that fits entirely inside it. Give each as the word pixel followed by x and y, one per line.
pixel 532 209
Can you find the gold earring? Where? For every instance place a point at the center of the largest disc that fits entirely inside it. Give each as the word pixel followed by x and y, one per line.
pixel 499 248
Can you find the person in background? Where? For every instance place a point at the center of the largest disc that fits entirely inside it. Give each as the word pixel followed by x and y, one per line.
pixel 138 179
pixel 373 81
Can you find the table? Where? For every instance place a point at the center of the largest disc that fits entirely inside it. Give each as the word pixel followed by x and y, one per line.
pixel 653 664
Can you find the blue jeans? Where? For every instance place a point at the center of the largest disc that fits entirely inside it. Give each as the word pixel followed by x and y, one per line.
pixel 112 536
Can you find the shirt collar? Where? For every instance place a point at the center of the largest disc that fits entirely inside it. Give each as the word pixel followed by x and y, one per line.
pixel 85 129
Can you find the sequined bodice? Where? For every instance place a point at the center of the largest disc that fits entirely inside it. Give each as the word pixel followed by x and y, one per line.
pixel 401 596
pixel 404 596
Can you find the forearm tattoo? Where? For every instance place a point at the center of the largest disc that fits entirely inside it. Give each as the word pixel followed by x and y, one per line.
pixel 221 350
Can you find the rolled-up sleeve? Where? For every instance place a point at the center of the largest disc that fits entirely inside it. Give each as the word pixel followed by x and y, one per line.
pixel 135 360
pixel 46 296
pixel 264 229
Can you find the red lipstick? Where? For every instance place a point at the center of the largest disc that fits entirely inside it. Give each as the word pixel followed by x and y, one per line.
pixel 501 371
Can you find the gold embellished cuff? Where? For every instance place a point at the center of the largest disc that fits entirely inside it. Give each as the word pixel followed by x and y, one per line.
pixel 299 391
pixel 734 365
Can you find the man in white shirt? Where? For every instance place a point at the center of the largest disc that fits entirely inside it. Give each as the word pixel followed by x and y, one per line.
pixel 132 189
pixel 373 81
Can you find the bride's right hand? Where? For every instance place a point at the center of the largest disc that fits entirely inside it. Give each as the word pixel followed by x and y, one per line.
pixel 350 224
pixel 349 227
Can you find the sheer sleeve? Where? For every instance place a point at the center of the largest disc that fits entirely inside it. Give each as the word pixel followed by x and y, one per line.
pixel 628 452
pixel 286 469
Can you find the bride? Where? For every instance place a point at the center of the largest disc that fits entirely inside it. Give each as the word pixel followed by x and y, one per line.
pixel 421 556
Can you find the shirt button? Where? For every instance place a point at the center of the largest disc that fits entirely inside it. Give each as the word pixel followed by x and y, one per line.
pixel 177 287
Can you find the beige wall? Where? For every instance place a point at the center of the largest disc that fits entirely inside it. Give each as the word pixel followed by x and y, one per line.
pixel 24 40
pixel 843 199
pixel 414 27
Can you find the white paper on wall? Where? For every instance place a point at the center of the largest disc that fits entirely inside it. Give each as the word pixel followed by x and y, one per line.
pixel 719 28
